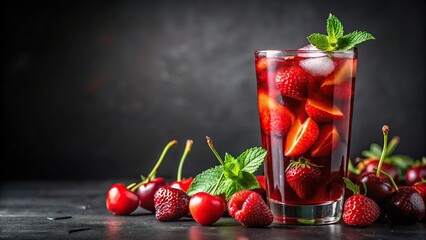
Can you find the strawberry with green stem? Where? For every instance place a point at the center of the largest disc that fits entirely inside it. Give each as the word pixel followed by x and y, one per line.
pixel 303 177
pixel 183 184
pixel 359 210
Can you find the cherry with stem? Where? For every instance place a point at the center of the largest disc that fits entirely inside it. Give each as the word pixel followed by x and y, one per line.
pixel 183 184
pixel 147 187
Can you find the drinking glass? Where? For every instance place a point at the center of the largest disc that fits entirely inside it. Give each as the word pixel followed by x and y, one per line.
pixel 305 100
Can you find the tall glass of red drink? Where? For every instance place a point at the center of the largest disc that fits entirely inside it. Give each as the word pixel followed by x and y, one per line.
pixel 305 100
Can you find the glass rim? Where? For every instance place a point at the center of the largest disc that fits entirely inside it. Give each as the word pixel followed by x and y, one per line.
pixel 305 51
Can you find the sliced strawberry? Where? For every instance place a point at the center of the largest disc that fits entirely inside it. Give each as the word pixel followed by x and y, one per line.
pixel 274 118
pixel 327 141
pixel 342 91
pixel 339 83
pixel 321 110
pixel 293 82
pixel 301 137
pixel 345 70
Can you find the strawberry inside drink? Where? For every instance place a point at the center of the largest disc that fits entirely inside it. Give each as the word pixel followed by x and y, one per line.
pixel 305 102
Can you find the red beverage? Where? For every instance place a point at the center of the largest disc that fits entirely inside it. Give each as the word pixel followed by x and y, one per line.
pixel 305 107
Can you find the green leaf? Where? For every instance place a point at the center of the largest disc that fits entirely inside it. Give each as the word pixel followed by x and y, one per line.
pixel 369 154
pixel 376 149
pixel 392 145
pixel 232 168
pixel 351 186
pixel 320 41
pixel 354 38
pixel 248 181
pixel 205 181
pixel 334 28
pixel 251 159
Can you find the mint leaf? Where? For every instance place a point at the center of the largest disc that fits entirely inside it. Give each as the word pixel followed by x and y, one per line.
pixel 354 38
pixel 335 40
pixel 205 181
pixel 251 159
pixel 334 28
pixel 232 168
pixel 248 181
pixel 320 41
pixel 233 175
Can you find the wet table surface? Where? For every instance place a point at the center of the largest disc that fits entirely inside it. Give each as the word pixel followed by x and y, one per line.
pixel 25 207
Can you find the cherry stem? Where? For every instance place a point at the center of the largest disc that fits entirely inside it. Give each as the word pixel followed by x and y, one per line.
pixel 160 160
pixel 385 130
pixel 217 184
pixel 210 143
pixel 131 185
pixel 390 178
pixel 182 160
pixel 365 188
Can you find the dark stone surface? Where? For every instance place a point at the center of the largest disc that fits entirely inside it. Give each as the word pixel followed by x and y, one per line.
pixel 26 206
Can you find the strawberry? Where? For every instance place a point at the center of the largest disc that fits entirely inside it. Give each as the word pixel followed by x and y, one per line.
pixel 327 141
pixel 301 137
pixel 420 187
pixel 274 118
pixel 359 210
pixel 293 82
pixel 342 91
pixel 248 208
pixel 303 177
pixel 321 110
pixel 170 204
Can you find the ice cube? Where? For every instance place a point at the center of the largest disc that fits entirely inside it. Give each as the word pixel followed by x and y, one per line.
pixel 309 48
pixel 319 66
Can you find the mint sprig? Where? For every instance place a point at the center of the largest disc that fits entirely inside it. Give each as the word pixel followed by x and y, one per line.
pixel 335 40
pixel 233 175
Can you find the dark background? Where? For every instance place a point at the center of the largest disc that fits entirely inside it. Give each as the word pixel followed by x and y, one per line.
pixel 96 89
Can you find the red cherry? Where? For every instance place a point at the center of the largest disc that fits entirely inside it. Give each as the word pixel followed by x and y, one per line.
pixel 415 174
pixel 377 188
pixel 120 200
pixel 147 188
pixel 182 184
pixel 368 165
pixel 146 193
pixel 205 208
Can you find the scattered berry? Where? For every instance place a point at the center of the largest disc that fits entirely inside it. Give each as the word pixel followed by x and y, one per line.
pixel 120 200
pixel 205 208
pixel 415 174
pixel 248 208
pixel 405 206
pixel 170 204
pixel 359 210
